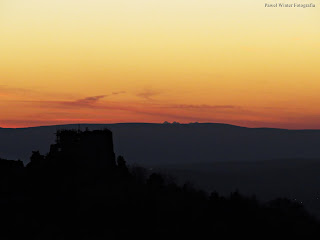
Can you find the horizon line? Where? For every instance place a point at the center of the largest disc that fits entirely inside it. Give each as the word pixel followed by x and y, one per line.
pixel 163 123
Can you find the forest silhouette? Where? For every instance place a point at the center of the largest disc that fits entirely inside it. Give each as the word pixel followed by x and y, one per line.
pixel 81 190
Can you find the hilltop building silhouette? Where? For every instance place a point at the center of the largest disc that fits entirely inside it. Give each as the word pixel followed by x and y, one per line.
pixel 93 149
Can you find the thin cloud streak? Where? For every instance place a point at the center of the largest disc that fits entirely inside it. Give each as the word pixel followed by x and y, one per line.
pixel 148 94
pixel 89 100
pixel 202 106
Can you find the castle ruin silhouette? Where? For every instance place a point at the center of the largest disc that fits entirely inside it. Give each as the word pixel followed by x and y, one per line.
pixel 93 149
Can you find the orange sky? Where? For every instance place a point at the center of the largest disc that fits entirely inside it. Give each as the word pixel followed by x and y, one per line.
pixel 108 61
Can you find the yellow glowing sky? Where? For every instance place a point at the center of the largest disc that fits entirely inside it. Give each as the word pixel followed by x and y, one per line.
pixel 107 61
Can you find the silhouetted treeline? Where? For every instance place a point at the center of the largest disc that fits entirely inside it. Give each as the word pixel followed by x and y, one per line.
pixel 61 196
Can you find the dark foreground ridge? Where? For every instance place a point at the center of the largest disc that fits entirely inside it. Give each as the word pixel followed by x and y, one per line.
pixel 80 190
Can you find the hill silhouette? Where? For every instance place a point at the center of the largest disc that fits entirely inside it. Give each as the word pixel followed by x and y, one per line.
pixel 80 190
pixel 265 162
pixel 208 142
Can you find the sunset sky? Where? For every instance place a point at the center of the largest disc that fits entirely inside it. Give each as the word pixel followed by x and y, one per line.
pixel 109 61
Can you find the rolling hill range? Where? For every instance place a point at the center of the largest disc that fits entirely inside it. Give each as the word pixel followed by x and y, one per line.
pixel 157 144
pixel 265 162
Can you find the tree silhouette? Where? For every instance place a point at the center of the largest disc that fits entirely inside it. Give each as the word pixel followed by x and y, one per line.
pixel 55 197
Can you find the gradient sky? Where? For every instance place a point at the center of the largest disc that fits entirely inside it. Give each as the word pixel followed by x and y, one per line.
pixel 107 61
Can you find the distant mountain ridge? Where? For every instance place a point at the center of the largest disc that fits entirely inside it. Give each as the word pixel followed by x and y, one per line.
pixel 156 144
